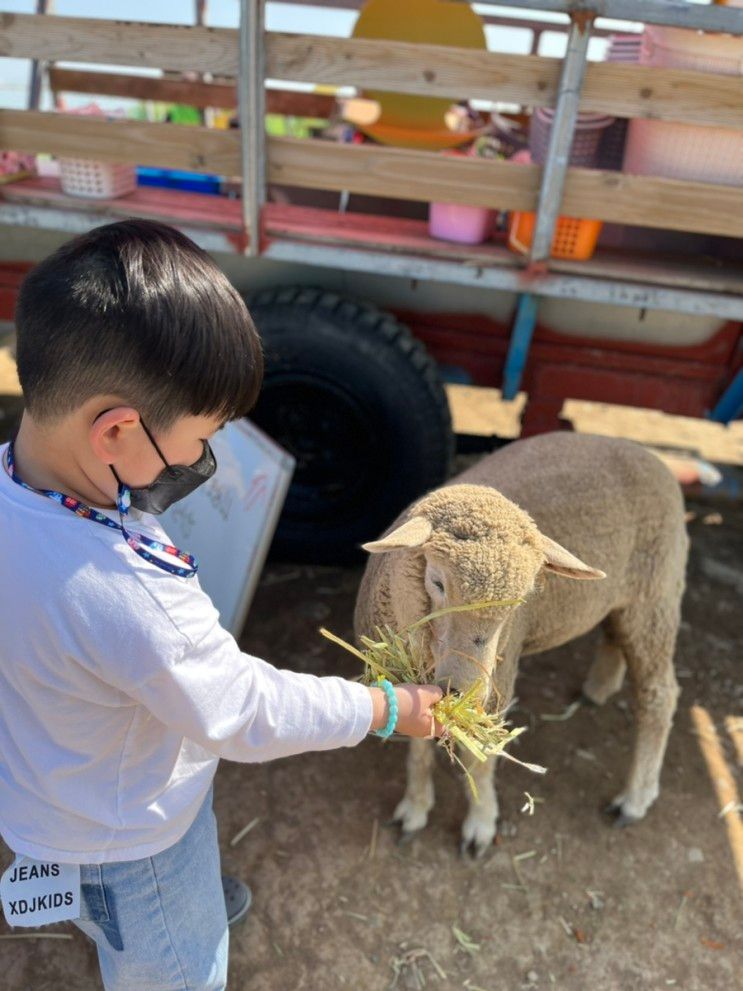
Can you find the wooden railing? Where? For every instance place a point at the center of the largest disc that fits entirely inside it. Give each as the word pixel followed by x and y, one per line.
pixel 621 90
pixel 193 92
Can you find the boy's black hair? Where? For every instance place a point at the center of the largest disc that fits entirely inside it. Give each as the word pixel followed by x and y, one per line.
pixel 136 309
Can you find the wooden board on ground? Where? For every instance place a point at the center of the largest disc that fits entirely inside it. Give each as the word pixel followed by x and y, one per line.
pixel 483 412
pixel 713 441
pixel 9 384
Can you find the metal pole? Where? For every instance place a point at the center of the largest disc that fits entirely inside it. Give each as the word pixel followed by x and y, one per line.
pixel 730 403
pixel 252 119
pixel 200 20
pixel 674 13
pixel 37 68
pixel 518 348
pixel 561 139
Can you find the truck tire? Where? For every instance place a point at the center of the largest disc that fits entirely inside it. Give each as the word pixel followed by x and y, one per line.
pixel 359 403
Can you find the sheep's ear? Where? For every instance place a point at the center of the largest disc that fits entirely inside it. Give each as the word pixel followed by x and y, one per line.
pixel 564 563
pixel 414 533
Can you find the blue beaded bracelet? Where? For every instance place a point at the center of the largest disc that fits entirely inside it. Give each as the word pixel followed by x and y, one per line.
pixel 389 691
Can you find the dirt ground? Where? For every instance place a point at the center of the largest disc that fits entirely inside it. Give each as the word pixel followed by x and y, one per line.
pixel 339 905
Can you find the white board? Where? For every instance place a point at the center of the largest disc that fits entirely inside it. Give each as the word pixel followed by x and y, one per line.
pixel 229 521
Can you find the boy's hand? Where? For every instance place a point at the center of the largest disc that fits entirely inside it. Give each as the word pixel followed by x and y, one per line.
pixel 414 716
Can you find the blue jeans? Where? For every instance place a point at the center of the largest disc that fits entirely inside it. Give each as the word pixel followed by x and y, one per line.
pixel 160 923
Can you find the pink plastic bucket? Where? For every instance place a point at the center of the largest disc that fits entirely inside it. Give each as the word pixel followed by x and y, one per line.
pixel 463 224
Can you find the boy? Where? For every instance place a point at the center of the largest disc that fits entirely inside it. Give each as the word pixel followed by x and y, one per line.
pixel 119 690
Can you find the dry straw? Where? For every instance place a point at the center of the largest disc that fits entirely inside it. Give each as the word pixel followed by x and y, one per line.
pixel 401 658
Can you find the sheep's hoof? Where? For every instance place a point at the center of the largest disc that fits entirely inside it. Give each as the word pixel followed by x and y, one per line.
pixel 412 814
pixel 407 836
pixel 472 850
pixel 620 819
pixel 587 701
pixel 478 832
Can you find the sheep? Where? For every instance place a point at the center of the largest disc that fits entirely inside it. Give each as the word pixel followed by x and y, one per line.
pixel 499 531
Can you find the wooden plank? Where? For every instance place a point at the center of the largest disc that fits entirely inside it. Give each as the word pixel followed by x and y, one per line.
pixel 404 235
pixel 398 235
pixel 83 39
pixel 195 93
pixel 644 201
pixel 285 101
pixel 169 205
pixel 664 94
pixel 378 171
pixel 198 149
pixel 427 70
pixel 458 73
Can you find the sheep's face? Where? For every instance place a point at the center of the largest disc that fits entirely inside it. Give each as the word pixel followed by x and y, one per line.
pixel 473 545
pixel 465 644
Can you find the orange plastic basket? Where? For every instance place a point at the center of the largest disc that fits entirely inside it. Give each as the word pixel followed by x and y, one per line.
pixel 574 238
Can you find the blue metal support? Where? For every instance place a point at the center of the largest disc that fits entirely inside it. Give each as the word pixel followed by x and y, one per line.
pixel 730 404
pixel 518 348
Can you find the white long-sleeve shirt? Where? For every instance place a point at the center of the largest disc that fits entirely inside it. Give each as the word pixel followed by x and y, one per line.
pixel 119 691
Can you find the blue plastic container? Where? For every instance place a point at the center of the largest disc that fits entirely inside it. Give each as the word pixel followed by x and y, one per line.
pixel 193 182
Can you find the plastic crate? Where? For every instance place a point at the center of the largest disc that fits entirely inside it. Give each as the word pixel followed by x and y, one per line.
pixel 574 238
pixel 96 180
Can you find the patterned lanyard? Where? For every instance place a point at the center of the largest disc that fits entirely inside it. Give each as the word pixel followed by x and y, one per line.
pixel 137 541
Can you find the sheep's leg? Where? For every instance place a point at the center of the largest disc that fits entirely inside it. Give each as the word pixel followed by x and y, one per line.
pixel 648 643
pixel 606 674
pixel 480 826
pixel 412 811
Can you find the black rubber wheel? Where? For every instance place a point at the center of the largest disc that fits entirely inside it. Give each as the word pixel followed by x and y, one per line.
pixel 359 403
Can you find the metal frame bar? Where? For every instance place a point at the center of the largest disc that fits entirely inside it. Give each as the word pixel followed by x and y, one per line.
pixel 518 346
pixel 252 100
pixel 551 190
pixel 37 67
pixel 561 140
pixel 556 285
pixel 730 404
pixel 638 295
pixel 673 13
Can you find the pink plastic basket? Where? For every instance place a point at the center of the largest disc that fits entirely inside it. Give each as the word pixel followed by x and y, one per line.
pixel 92 179
pixel 688 151
pixel 96 180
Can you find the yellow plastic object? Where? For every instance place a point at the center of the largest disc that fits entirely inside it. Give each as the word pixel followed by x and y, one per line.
pixel 417 121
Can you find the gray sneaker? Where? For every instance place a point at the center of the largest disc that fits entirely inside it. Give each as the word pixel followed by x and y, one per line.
pixel 237 899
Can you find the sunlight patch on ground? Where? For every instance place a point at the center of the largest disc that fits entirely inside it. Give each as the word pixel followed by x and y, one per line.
pixel 722 781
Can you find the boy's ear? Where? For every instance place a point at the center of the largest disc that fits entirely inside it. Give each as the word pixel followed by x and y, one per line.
pixel 111 432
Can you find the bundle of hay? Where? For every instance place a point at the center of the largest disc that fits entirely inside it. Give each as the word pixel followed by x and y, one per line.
pixel 400 658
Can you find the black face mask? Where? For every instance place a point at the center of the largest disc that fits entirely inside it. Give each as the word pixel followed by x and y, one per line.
pixel 173 483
